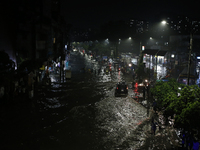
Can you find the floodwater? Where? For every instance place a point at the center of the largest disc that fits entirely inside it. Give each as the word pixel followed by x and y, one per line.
pixel 82 113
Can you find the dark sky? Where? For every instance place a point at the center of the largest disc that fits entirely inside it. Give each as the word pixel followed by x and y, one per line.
pixel 94 13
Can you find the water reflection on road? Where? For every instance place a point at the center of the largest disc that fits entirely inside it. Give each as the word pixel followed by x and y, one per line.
pixel 81 113
pixel 95 114
pixel 119 118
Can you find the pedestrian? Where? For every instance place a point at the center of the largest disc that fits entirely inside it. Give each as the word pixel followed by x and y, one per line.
pixel 189 140
pixel 133 74
pixel 195 145
pixel 153 126
pixel 154 105
pixel 183 139
pixel 99 70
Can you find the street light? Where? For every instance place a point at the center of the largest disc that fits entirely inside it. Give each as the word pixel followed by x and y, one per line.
pixel 129 38
pixel 156 55
pixel 106 41
pixel 119 41
pixel 164 22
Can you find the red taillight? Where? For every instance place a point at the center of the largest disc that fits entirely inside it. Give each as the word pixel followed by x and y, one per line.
pixel 127 88
pixel 117 88
pixel 136 84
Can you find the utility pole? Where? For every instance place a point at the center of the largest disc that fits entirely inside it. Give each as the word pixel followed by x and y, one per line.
pixel 189 61
pixel 156 62
pixel 192 32
pixel 149 68
pixel 141 54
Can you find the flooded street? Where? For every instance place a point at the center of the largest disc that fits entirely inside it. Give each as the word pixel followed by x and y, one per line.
pixel 81 113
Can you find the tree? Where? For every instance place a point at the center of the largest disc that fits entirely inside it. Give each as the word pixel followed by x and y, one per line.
pixel 185 107
pixel 164 92
pixel 6 64
pixel 7 68
pixel 85 46
pixel 27 66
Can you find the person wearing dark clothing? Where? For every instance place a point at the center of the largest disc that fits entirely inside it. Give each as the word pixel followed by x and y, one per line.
pixel 99 70
pixel 153 126
pixel 183 139
pixel 191 143
pixel 133 74
pixel 189 140
pixel 94 72
pixel 154 105
pixel 195 145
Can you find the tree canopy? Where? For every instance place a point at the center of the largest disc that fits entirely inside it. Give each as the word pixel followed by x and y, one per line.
pixel 179 100
pixel 6 64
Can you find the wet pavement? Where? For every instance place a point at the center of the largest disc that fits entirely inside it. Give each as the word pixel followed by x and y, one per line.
pixel 82 113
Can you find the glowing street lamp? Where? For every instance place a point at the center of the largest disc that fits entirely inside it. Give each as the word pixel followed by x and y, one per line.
pixel 164 22
pixel 119 41
pixel 129 38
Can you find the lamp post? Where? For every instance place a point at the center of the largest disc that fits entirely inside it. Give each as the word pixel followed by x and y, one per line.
pixel 157 62
pixel 156 66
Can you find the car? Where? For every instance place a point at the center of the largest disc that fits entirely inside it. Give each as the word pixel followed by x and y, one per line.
pixel 121 89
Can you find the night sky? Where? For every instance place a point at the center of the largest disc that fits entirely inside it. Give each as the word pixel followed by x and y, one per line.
pixel 95 13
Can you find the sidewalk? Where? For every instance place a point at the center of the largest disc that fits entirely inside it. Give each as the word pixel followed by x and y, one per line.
pixel 166 135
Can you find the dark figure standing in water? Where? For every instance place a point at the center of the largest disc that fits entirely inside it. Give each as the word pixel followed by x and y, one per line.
pixel 153 126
